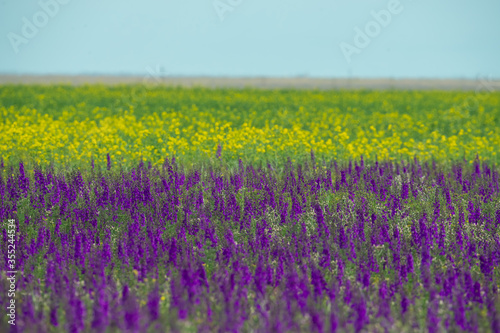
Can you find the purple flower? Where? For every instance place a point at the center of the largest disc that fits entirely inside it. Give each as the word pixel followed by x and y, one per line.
pixel 459 310
pixel 432 313
pixel 154 304
pixel 131 310
pixel 219 150
pixel 361 315
pixel 100 319
pixel 76 318
pixel 317 321
pixel 476 293
pixel 109 161
pixel 53 316
pixel 409 263
pixel 404 304
pixel 333 321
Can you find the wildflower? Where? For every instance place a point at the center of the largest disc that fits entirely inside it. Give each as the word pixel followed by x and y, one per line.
pixel 219 150
pixel 109 161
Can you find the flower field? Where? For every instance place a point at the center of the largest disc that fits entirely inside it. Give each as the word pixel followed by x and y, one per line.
pixel 198 210
pixel 64 124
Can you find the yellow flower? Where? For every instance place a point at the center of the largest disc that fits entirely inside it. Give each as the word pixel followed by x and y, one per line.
pixel 303 121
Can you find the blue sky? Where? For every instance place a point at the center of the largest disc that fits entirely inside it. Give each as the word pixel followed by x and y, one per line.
pixel 284 38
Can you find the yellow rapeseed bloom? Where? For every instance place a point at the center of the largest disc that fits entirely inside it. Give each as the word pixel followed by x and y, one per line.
pixel 247 123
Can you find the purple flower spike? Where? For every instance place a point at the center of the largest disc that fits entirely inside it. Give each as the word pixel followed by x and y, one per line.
pixel 361 315
pixel 154 304
pixel 219 150
pixel 109 161
pixel 53 316
pixel 333 322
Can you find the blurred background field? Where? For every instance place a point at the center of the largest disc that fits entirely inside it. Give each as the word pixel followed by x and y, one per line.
pixel 69 126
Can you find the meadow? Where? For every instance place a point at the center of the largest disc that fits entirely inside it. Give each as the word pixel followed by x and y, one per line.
pixel 144 209
pixel 71 125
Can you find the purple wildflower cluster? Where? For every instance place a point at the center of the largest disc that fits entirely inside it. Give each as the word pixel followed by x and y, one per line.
pixel 379 247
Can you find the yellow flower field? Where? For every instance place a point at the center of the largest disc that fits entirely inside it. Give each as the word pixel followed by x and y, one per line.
pixel 65 124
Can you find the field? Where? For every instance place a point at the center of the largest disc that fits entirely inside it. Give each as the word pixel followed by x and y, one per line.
pixel 147 209
pixel 72 125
